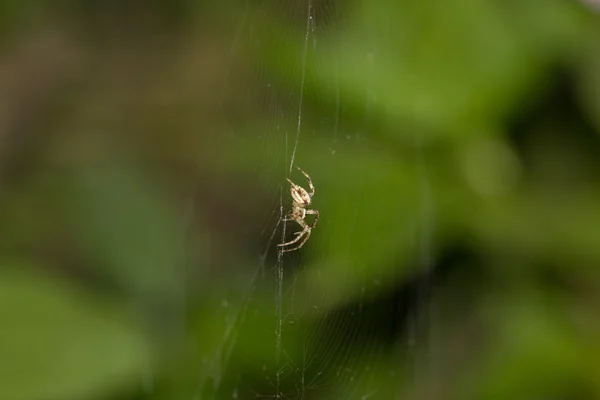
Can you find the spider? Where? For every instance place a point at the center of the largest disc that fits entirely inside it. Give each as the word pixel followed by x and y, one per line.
pixel 301 200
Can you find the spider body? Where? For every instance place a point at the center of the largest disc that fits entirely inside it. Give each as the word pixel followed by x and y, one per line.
pixel 301 200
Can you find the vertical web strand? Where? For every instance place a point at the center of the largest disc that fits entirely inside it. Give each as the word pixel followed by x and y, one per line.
pixel 304 57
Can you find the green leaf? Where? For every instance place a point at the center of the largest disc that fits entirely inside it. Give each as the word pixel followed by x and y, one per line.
pixel 58 342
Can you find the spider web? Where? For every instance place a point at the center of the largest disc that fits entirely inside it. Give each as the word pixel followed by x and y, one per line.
pixel 329 335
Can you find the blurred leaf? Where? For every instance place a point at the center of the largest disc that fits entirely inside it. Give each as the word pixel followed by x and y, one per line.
pixel 57 342
pixel 589 84
pixel 551 229
pixel 449 68
pixel 534 352
pixel 120 216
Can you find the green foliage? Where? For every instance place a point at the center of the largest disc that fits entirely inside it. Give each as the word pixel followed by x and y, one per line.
pixel 140 213
pixel 59 342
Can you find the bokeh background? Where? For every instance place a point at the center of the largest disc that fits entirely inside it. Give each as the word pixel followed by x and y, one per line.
pixel 144 151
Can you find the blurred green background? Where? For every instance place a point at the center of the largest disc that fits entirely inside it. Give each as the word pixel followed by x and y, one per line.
pixel 144 150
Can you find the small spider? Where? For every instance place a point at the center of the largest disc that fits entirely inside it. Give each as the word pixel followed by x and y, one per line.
pixel 301 200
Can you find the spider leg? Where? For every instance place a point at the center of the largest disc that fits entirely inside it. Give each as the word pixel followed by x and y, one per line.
pixel 298 237
pixel 316 214
pixel 293 219
pixel 312 188
pixel 305 228
pixel 291 183
pixel 301 243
